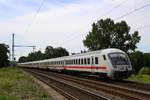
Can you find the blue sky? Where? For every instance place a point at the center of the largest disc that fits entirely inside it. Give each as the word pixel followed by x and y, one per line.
pixel 66 22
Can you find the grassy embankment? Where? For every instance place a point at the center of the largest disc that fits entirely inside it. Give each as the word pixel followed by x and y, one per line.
pixel 15 84
pixel 140 78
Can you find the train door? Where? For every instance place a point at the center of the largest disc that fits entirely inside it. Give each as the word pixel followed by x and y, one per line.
pixel 92 65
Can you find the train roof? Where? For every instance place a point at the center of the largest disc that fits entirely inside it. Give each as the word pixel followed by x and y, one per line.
pixel 102 51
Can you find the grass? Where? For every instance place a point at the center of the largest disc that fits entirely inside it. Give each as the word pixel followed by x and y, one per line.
pixel 15 84
pixel 140 78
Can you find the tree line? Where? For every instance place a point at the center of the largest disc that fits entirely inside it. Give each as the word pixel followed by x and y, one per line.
pixel 4 52
pixel 50 52
pixel 139 60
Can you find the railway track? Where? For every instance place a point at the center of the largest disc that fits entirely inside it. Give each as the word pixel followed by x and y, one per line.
pixel 69 90
pixel 110 91
pixel 134 85
pixel 123 83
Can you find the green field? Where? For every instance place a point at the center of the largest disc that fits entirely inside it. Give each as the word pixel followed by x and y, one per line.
pixel 140 78
pixel 15 84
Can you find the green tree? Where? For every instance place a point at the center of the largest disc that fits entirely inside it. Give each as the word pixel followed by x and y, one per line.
pixel 34 56
pixel 59 52
pixel 4 55
pixel 144 71
pixel 23 59
pixel 108 34
pixel 137 60
pixel 51 52
pixel 146 59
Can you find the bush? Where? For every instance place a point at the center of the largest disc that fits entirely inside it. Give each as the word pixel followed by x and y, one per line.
pixel 144 71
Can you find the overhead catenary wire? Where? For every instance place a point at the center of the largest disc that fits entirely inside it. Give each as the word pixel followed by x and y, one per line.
pixel 30 24
pixel 114 8
pixel 106 13
pixel 135 10
pixel 35 15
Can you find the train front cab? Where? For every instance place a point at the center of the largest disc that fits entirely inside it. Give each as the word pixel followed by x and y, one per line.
pixel 121 66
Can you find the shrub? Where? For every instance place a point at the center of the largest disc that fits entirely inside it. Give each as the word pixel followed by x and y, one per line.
pixel 144 71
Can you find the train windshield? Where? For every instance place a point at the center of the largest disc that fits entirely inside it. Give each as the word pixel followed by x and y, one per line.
pixel 119 59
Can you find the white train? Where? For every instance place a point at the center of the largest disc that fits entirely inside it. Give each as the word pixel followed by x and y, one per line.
pixel 112 63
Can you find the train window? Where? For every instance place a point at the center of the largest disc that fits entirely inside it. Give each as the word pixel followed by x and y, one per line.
pixel 88 60
pixel 92 61
pixel 104 57
pixel 76 61
pixel 81 61
pixel 85 61
pixel 72 62
pixel 96 60
pixel 69 61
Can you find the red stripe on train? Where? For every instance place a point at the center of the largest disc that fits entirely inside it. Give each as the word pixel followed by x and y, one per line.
pixel 86 67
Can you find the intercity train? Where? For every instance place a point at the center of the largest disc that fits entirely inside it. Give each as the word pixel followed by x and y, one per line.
pixel 109 63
